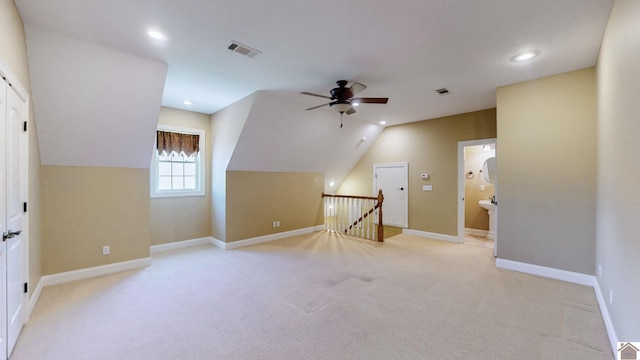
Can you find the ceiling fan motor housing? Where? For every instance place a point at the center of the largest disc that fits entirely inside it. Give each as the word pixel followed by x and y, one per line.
pixel 342 93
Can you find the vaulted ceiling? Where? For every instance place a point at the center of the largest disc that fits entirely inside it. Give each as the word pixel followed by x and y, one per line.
pixel 401 50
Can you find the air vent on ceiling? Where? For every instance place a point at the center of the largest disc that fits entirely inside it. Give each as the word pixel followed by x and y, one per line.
pixel 442 91
pixel 243 49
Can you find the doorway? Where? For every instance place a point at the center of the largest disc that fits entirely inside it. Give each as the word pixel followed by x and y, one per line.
pixel 473 186
pixel 393 179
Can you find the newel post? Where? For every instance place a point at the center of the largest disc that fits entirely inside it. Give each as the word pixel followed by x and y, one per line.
pixel 380 226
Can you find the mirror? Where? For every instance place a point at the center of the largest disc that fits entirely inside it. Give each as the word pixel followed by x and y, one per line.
pixel 489 171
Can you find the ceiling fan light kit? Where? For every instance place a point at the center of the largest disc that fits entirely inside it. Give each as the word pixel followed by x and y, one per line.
pixel 341 107
pixel 342 99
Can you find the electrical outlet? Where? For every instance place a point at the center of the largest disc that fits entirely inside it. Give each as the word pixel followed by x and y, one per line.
pixel 481 187
pixel 274 224
pixel 599 270
pixel 278 223
pixel 106 250
pixel 610 296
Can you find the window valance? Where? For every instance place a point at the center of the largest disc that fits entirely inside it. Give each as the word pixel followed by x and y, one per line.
pixel 171 141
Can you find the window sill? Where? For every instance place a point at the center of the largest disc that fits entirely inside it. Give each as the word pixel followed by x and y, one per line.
pixel 174 194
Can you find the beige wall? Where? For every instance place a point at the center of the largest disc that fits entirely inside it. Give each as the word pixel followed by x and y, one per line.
pixel 256 199
pixel 547 171
pixel 618 228
pixel 13 52
pixel 184 218
pixel 429 146
pixel 84 208
pixel 476 217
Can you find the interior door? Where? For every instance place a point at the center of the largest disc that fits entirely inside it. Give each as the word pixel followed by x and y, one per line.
pixel 3 219
pixel 393 179
pixel 15 244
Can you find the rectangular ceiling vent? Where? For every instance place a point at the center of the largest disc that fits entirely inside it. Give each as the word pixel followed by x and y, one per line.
pixel 243 49
pixel 442 91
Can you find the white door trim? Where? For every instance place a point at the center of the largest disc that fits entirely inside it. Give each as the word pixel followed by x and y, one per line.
pixel 461 178
pixel 14 82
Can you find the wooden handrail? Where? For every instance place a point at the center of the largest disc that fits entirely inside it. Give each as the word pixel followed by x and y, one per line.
pixel 352 196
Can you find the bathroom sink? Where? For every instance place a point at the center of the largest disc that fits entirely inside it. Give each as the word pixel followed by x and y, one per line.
pixel 486 204
pixel 491 208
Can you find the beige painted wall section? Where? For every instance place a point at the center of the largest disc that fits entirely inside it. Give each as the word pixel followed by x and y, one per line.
pixel 13 52
pixel 476 217
pixel 84 208
pixel 618 228
pixel 256 199
pixel 429 146
pixel 547 171
pixel 226 127
pixel 184 218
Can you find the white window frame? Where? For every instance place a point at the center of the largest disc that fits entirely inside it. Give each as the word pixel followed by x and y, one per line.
pixel 200 161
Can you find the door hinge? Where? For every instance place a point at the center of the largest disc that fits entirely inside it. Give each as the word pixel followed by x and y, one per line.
pixel 24 207
pixel 24 126
pixel 26 288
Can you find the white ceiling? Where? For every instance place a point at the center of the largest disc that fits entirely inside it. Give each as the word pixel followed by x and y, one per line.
pixel 401 50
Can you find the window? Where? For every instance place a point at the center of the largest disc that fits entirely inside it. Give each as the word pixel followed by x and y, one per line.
pixel 177 169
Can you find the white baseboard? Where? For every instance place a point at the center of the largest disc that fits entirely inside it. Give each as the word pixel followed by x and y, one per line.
pixel 569 276
pixel 552 273
pixel 429 235
pixel 266 238
pixel 608 323
pixel 33 299
pixel 155 249
pixel 218 243
pixel 65 277
pixel 235 244
pixel 476 232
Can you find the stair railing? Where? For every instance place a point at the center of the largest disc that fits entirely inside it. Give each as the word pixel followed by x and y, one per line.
pixel 351 215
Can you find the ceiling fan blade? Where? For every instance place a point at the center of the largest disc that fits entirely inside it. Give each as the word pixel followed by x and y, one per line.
pixel 356 87
pixel 319 106
pixel 370 100
pixel 350 111
pixel 312 94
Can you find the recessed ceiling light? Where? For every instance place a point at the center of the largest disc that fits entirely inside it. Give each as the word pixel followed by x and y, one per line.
pixel 187 102
pixel 524 56
pixel 156 35
pixel 332 183
pixel 383 123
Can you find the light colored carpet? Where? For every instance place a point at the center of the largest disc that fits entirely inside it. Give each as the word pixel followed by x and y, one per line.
pixel 318 296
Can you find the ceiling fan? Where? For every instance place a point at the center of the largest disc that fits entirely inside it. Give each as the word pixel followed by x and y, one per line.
pixel 342 99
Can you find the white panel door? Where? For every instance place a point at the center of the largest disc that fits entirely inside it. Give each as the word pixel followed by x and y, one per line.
pixel 3 219
pixel 393 179
pixel 16 296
